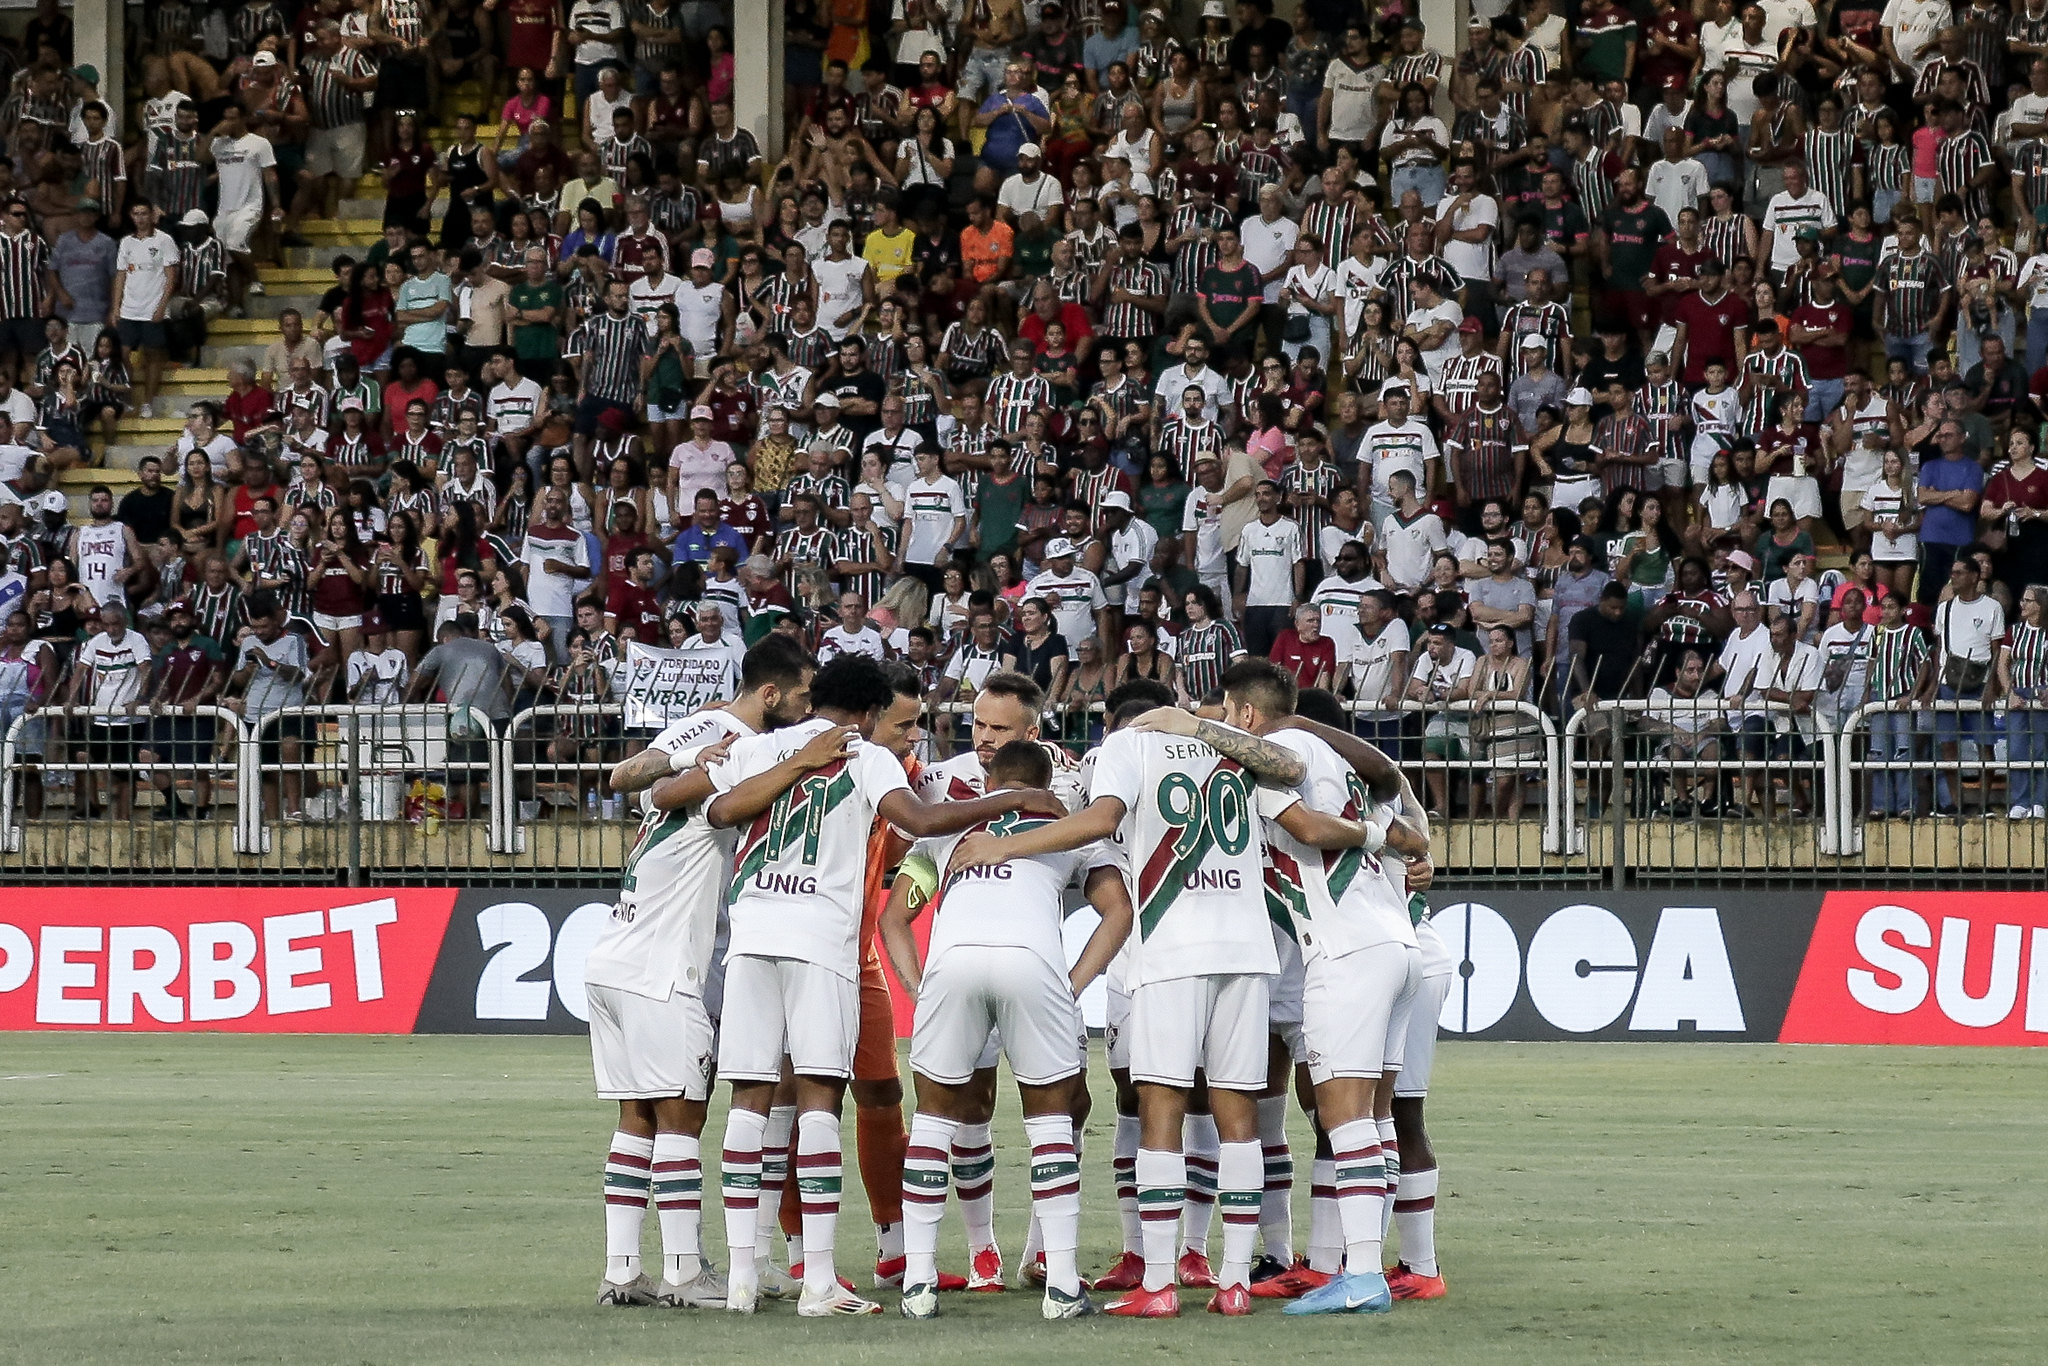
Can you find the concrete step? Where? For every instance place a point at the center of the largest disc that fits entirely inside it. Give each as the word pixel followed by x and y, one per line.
pixel 123 459
pixel 322 256
pixel 271 302
pixel 289 278
pixel 218 355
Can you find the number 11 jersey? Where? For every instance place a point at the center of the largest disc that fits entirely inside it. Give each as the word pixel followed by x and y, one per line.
pixel 798 872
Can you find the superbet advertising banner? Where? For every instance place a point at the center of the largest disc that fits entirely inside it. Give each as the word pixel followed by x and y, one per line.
pixel 1886 967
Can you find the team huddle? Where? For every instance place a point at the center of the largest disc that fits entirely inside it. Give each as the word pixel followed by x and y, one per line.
pixel 1254 873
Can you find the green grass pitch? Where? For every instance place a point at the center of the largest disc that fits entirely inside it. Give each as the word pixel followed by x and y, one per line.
pixel 348 1200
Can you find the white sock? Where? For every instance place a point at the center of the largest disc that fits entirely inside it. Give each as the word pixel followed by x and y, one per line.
pixel 774 1178
pixel 1325 1234
pixel 1056 1196
pixel 1162 1190
pixel 1199 1143
pixel 1240 1178
pixel 740 1192
pixel 974 1181
pixel 888 1242
pixel 1415 1216
pixel 1390 1153
pixel 1361 1191
pixel 627 1184
pixel 679 1204
pixel 1276 1201
pixel 817 1186
pixel 1123 1165
pixel 926 1169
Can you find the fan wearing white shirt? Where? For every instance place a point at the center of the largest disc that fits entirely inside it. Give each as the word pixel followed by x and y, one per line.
pixel 854 635
pixel 1398 443
pixel 1409 538
pixel 934 515
pixel 1272 564
pixel 1268 239
pixel 1338 597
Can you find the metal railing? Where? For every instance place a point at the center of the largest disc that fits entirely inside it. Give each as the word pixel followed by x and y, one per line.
pixel 1621 793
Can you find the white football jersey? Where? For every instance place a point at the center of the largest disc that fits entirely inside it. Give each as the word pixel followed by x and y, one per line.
pixel 961 779
pixel 1191 833
pixel 1018 904
pixel 1339 900
pixel 797 880
pixel 660 936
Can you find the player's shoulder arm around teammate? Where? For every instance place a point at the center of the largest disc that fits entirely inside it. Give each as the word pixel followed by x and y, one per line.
pixel 1382 778
pixel 1110 895
pixel 1270 763
pixel 921 819
pixel 1096 821
pixel 745 793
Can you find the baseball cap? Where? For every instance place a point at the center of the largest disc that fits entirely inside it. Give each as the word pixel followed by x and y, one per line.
pixel 1215 9
pixel 1206 458
pixel 826 401
pixel 1050 7
pixel 1534 341
pixel 1394 386
pixel 1059 548
pixel 1114 153
pixel 703 256
pixel 702 410
pixel 1471 325
pixel 182 605
pixel 263 60
pixel 1742 559
pixel 1579 397
pixel 1030 149
pixel 88 73
pixel 1117 498
pixel 348 404
pixel 194 217
pixel 1807 234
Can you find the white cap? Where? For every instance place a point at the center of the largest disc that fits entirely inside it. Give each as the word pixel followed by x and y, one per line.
pixel 1535 341
pixel 1579 397
pixel 1059 548
pixel 703 410
pixel 263 59
pixel 1116 498
pixel 1031 149
pixel 829 400
pixel 194 217
pixel 1394 386
pixel 1215 9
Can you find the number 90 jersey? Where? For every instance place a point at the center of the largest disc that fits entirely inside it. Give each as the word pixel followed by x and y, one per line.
pixel 798 872
pixel 1191 833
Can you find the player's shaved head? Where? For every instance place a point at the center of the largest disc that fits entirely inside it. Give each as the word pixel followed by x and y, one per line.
pixel 1321 705
pixel 1149 692
pixel 1261 686
pixel 1021 763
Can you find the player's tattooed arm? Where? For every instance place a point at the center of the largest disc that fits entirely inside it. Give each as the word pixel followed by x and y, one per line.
pixel 897 941
pixel 1382 779
pixel 640 772
pixel 1270 763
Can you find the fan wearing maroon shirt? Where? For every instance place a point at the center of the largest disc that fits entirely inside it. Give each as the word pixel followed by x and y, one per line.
pixel 630 611
pixel 1304 651
pixel 248 404
pixel 1820 334
pixel 746 511
pixel 1675 271
pixel 1711 324
pixel 735 411
pixel 625 540
pixel 189 672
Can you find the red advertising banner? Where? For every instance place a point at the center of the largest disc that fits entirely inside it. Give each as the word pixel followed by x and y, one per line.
pixel 316 960
pixel 1924 968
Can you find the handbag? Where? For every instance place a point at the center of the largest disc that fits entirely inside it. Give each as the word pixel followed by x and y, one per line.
pixel 1959 674
pixel 1296 329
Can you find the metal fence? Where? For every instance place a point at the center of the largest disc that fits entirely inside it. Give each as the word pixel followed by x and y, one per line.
pixel 1625 793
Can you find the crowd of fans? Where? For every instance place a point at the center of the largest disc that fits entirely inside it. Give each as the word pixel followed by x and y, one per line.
pixel 1688 357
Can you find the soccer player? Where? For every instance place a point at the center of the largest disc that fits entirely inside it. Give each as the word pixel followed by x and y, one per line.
pixel 808 795
pixel 649 982
pixel 1358 965
pixel 997 964
pixel 1006 709
pixel 1179 792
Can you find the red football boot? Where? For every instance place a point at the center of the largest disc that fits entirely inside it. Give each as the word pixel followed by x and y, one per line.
pixel 1163 1303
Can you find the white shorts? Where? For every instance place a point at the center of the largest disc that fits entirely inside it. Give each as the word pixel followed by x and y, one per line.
pixel 1283 1007
pixel 1347 1004
pixel 234 229
pixel 1217 1023
pixel 775 1006
pixel 336 151
pixel 1802 492
pixel 976 989
pixel 644 1049
pixel 1396 1052
pixel 1116 1022
pixel 1438 970
pixel 328 625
